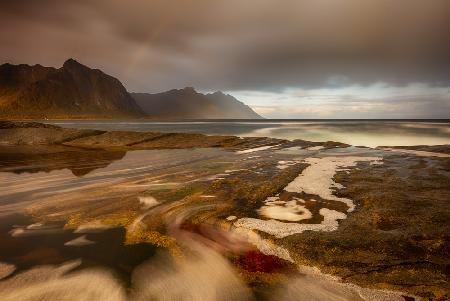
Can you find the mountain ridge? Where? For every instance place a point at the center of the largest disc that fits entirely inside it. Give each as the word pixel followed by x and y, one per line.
pixel 73 90
pixel 77 91
pixel 187 103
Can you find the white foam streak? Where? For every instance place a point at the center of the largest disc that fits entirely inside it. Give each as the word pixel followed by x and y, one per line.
pixel 281 229
pixel 256 149
pixel 317 178
pixel 288 211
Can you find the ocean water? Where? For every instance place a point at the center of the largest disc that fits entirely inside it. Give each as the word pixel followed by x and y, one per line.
pixel 369 133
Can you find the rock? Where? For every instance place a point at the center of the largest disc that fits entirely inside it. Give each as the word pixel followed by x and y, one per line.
pixel 33 133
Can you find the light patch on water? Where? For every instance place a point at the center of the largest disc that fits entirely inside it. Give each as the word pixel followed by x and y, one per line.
pixel 149 185
pixel 285 164
pixel 281 229
pixel 417 152
pixel 79 242
pixel 205 276
pixel 35 226
pixel 256 149
pixel 288 211
pixel 35 229
pixel 93 227
pixel 294 150
pixel 315 148
pixel 317 178
pixel 148 202
pixel 234 170
pixel 219 176
pixel 301 201
pixel 50 283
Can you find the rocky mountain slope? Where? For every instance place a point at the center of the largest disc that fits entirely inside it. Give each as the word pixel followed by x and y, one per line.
pixel 189 104
pixel 72 91
pixel 77 91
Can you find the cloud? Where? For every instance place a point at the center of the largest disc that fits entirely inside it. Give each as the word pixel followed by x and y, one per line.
pixel 252 45
pixel 415 101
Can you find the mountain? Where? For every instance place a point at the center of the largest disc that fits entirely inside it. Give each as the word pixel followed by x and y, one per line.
pixel 77 91
pixel 189 104
pixel 72 91
pixel 234 108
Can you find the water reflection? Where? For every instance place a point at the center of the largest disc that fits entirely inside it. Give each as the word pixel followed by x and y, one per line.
pixel 39 251
pixel 26 159
pixel 40 247
pixel 63 177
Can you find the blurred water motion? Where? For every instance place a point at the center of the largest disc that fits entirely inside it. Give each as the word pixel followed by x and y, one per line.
pixel 27 175
pixel 146 225
pixel 46 261
pixel 203 272
pixel 205 275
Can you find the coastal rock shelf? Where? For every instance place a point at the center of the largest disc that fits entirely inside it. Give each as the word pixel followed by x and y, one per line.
pixel 314 218
pixel 32 133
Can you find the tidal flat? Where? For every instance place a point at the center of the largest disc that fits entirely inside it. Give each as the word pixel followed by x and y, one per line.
pixel 118 215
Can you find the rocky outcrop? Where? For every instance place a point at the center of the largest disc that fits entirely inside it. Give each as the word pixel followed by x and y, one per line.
pixel 33 133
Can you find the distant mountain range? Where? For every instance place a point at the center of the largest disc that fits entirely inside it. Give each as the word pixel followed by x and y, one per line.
pixel 189 104
pixel 77 91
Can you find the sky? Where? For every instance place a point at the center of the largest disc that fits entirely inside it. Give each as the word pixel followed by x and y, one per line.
pixel 284 58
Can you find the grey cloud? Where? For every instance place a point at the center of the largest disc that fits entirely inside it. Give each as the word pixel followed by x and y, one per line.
pixel 233 45
pixel 423 107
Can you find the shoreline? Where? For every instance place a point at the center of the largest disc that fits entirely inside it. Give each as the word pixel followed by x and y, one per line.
pixel 230 179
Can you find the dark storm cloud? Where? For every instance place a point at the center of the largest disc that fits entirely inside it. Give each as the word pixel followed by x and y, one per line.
pixel 233 45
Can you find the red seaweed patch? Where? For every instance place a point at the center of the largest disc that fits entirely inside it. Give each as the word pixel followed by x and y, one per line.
pixel 255 261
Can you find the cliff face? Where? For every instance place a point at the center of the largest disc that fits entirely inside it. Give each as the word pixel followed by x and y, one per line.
pixel 72 91
pixel 189 104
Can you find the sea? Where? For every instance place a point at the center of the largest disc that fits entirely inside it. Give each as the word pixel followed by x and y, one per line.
pixel 370 133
